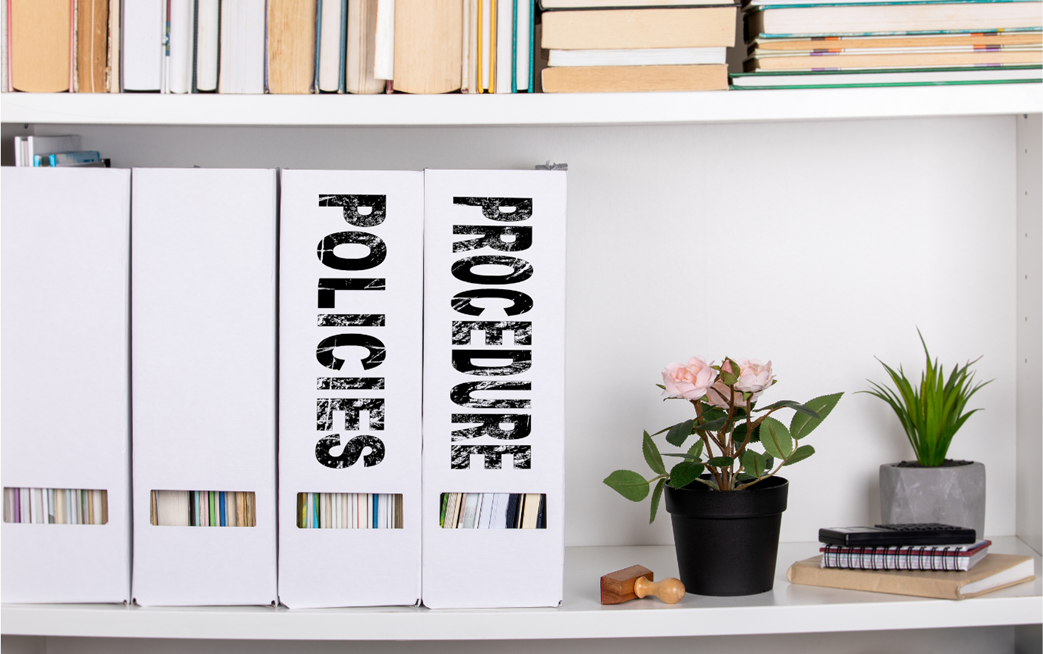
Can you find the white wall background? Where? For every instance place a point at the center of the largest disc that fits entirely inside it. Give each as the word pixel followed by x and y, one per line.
pixel 816 245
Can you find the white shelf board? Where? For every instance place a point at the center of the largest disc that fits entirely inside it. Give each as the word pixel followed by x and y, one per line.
pixel 786 609
pixel 520 109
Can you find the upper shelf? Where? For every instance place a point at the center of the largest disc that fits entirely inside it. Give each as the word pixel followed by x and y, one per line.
pixel 521 109
pixel 786 609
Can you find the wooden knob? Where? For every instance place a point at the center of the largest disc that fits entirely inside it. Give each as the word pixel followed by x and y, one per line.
pixel 669 590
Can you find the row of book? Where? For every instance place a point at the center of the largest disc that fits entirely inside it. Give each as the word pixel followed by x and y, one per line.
pixel 325 403
pixel 269 46
pixel 611 45
pixel 493 511
pixel 55 506
pixel 349 511
pixel 878 42
pixel 172 508
pixel 55 152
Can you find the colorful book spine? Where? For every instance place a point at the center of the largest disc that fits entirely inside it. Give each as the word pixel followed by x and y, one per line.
pixel 910 557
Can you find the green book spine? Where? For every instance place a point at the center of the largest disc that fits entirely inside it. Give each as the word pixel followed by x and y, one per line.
pixel 445 502
pixel 213 509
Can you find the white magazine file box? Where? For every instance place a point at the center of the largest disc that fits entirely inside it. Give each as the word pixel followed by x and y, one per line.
pixel 350 373
pixel 494 344
pixel 65 254
pixel 204 356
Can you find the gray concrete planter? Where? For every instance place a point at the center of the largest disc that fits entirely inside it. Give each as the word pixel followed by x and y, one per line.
pixel 949 495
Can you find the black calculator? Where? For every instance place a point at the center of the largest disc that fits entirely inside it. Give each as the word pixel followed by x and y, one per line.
pixel 930 533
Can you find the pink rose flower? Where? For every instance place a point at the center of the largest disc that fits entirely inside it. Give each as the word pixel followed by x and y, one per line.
pixel 719 393
pixel 688 381
pixel 754 376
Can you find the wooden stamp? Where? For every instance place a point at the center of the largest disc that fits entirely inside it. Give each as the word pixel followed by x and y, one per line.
pixel 638 581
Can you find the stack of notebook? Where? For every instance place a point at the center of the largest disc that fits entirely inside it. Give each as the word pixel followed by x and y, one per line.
pixel 636 45
pixel 793 44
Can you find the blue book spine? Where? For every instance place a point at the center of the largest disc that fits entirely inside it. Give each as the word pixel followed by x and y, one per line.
pixel 342 80
pixel 514 45
pixel 85 156
pixel 318 43
pixel 532 46
pixel 221 501
pixel 376 510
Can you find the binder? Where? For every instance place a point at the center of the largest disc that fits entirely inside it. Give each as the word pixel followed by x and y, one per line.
pixel 350 344
pixel 65 268
pixel 204 385
pixel 494 353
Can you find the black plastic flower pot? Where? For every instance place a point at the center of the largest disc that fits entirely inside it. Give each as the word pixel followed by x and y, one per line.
pixel 727 542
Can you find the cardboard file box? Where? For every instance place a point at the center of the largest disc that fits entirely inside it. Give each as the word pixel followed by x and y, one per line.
pixel 204 351
pixel 65 258
pixel 494 363
pixel 350 344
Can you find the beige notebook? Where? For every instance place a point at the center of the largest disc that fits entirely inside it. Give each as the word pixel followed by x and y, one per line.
pixel 625 79
pixel 995 571
pixel 39 33
pixel 688 27
pixel 428 52
pixel 291 46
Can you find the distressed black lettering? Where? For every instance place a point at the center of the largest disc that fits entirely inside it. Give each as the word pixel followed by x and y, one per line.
pixel 463 270
pixel 491 425
pixel 462 394
pixel 460 456
pixel 359 210
pixel 493 331
pixel 353 449
pixel 463 302
pixel 352 409
pixel 328 288
pixel 500 209
pixel 375 350
pixel 326 251
pixel 504 238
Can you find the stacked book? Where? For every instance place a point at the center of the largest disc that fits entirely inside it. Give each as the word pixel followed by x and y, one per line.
pixel 636 45
pixel 268 46
pixel 797 44
pixel 926 560
pixel 55 151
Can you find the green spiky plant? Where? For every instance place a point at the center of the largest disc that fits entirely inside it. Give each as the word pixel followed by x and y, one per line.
pixel 932 412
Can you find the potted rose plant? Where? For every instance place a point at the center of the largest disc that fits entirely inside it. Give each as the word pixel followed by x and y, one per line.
pixel 933 488
pixel 724 496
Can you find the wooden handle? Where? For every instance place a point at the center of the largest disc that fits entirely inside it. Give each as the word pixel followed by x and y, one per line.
pixel 669 590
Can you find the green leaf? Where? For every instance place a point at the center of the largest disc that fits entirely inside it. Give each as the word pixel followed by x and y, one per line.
pixel 652 456
pixel 656 494
pixel 728 378
pixel 694 453
pixel 679 433
pixel 788 404
pixel 685 473
pixel 713 425
pixel 721 462
pixel 753 463
pixel 769 463
pixel 776 438
pixel 629 484
pixel 803 452
pixel 743 477
pixel 802 424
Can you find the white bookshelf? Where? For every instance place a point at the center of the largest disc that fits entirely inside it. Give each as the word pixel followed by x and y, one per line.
pixel 858 151
pixel 521 109
pixel 788 609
